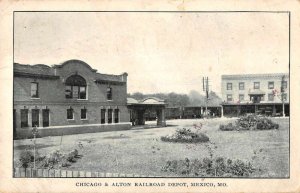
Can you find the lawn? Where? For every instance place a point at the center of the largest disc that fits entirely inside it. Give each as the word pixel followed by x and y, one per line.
pixel 140 151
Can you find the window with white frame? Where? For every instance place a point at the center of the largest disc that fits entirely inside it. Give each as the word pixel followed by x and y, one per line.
pixel 83 113
pixel 271 97
pixel 271 85
pixel 109 93
pixel 70 114
pixel 75 87
pixel 241 97
pixel 241 86
pixel 256 85
pixel 229 86
pixel 229 97
pixel 34 90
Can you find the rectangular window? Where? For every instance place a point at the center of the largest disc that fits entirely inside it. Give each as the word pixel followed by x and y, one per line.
pixel 102 116
pixel 70 114
pixel 34 90
pixel 271 85
pixel 284 96
pixel 116 112
pixel 68 92
pixel 46 118
pixel 256 85
pixel 284 84
pixel 270 97
pixel 109 116
pixel 241 97
pixel 229 86
pixel 24 118
pixel 109 93
pixel 229 97
pixel 82 92
pixel 241 86
pixel 35 116
pixel 83 114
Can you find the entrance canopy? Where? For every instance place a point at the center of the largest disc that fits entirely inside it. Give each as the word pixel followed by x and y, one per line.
pixel 138 108
pixel 147 101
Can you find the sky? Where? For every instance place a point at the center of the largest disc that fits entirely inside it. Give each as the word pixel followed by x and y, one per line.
pixel 161 52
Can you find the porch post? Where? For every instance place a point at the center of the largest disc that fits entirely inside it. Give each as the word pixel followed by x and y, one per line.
pixel 158 114
pixel 238 110
pixel 283 112
pixel 222 112
pixel 274 110
pixel 163 117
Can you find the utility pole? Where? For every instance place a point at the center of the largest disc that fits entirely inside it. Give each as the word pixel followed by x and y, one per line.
pixel 282 94
pixel 205 82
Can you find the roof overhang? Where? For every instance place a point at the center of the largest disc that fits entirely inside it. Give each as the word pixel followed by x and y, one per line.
pixel 111 82
pixel 150 101
pixel 33 75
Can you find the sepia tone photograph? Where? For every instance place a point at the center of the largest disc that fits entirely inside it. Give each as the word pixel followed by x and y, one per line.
pixel 151 94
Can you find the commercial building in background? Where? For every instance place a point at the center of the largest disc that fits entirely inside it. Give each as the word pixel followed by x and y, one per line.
pixel 68 98
pixel 266 94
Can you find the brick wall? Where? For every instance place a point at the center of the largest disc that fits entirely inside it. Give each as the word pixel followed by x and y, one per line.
pixel 54 90
pixel 70 130
pixel 52 96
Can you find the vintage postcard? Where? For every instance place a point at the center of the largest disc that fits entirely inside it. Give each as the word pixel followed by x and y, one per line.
pixel 195 96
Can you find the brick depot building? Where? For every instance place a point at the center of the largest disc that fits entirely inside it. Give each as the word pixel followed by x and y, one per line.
pixel 62 98
pixel 266 94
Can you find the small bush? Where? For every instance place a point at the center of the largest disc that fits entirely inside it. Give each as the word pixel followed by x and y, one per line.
pixel 228 127
pixel 209 167
pixel 250 122
pixel 26 158
pixel 186 136
pixel 57 159
pixel 71 157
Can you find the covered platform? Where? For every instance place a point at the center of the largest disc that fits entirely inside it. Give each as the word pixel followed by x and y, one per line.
pixel 267 109
pixel 138 109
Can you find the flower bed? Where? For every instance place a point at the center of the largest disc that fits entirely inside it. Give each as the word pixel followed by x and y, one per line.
pixel 209 167
pixel 250 122
pixel 54 160
pixel 186 136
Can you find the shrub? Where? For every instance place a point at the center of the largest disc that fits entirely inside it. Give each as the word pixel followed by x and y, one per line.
pixel 250 122
pixel 26 158
pixel 52 160
pixel 209 167
pixel 228 127
pixel 186 136
pixel 57 159
pixel 71 157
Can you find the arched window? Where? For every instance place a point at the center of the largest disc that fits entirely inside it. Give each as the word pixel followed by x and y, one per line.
pixel 75 87
pixel 109 93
